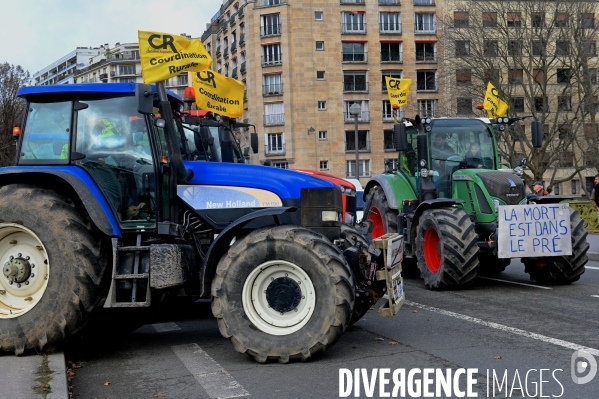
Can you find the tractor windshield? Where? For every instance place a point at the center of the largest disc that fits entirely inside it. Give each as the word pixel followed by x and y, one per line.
pixel 223 148
pixel 459 144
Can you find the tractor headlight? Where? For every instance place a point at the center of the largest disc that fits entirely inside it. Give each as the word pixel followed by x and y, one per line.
pixel 330 216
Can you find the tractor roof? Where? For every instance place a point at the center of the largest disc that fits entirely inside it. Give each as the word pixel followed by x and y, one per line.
pixel 92 89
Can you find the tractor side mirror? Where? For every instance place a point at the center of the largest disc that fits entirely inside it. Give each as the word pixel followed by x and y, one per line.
pixel 400 137
pixel 145 98
pixel 254 142
pixel 537 134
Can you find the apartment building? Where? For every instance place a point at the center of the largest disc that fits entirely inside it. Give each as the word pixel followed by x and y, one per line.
pixel 304 64
pixel 63 70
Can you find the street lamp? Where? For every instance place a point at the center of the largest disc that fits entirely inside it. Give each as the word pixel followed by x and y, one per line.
pixel 355 110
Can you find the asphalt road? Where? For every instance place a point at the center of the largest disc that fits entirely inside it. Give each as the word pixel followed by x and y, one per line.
pixel 508 329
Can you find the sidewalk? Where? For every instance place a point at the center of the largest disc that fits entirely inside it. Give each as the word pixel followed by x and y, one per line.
pixel 19 374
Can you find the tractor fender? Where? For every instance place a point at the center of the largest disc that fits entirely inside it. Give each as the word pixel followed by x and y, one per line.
pixel 431 204
pixel 221 244
pixel 380 180
pixel 73 182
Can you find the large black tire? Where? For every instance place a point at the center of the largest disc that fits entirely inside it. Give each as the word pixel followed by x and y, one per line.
pixel 490 264
pixel 446 248
pixel 251 277
pixel 562 269
pixel 66 278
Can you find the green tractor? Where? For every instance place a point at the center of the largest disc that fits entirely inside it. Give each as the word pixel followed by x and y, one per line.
pixel 445 196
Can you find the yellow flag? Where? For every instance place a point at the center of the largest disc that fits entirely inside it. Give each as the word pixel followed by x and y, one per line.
pixel 219 94
pixel 398 90
pixel 164 55
pixel 494 105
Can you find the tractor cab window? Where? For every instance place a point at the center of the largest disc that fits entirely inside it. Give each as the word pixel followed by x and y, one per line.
pixel 115 141
pixel 47 134
pixel 408 160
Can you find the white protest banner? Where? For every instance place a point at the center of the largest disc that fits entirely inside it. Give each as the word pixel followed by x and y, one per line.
pixel 534 230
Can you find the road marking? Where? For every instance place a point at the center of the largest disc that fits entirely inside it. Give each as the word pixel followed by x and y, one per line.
pixel 592 267
pixel 596 296
pixel 217 382
pixel 164 327
pixel 513 282
pixel 517 331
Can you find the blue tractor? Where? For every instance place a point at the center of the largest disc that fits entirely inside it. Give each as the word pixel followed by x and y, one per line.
pixel 105 209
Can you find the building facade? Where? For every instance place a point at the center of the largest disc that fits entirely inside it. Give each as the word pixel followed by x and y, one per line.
pixel 304 64
pixel 63 70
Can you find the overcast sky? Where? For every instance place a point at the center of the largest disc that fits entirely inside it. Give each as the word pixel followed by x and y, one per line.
pixel 35 33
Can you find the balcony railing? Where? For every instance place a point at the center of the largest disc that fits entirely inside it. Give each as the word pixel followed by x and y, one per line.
pixel 363 117
pixel 103 76
pixel 217 51
pixel 272 60
pixel 426 57
pixel 390 27
pixel 274 119
pixel 389 2
pixel 352 1
pixel 278 149
pixel 240 13
pixel 391 56
pixel 269 3
pixel 350 87
pixel 424 2
pixel 226 53
pixel 353 174
pixel 242 40
pixel 233 47
pixel 425 27
pixel 234 73
pixel 270 30
pixel 232 20
pixel 242 69
pixel 363 146
pixel 274 89
pixel 355 28
pixel 355 57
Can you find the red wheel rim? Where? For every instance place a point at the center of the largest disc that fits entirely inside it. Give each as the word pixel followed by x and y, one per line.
pixel 431 254
pixel 378 228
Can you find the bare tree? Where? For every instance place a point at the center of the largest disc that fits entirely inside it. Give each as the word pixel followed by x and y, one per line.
pixel 541 56
pixel 11 108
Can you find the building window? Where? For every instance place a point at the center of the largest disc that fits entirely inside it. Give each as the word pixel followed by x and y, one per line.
pixel 556 188
pixel 390 163
pixel 391 52
pixel 355 81
pixel 515 76
pixel 319 46
pixel 391 74
pixel 489 19
pixel 462 48
pixel 127 80
pixel 272 84
pixel 127 70
pixel 463 76
pixel 322 105
pixel 364 116
pixel 541 104
pixel 490 48
pixel 275 144
pixel 514 20
pixel 538 48
pixel 515 48
pixel 388 112
pixel 388 140
pixel 563 75
pixel 461 19
pixel 270 25
pixel 390 22
pixel 491 75
pixel 322 135
pixel 574 186
pixel 426 80
pixel 363 140
pixel 424 23
pixel 353 22
pixel 182 80
pixel 271 54
pixel 464 106
pixel 320 75
pixel 280 164
pixel 538 19
pixel 274 114
pixel 593 75
pixel 324 165
pixel 589 48
pixel 318 15
pixel 562 48
pixel 564 103
pixel 426 51
pixel 561 19
pixel 364 168
pixel 518 104
pixel 588 20
pixel 353 52
pixel 428 108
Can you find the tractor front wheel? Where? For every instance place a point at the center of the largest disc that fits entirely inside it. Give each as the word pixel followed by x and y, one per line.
pixel 446 248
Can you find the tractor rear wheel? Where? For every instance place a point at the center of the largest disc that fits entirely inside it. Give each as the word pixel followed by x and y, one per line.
pixel 52 268
pixel 283 293
pixel 446 248
pixel 562 269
